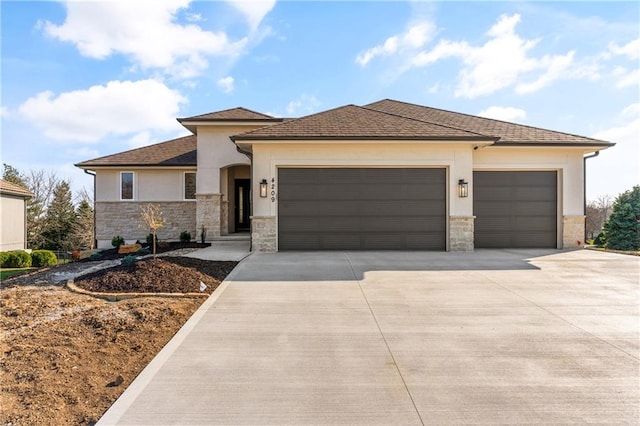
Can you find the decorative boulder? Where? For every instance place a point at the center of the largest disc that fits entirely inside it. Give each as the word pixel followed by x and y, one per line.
pixel 129 248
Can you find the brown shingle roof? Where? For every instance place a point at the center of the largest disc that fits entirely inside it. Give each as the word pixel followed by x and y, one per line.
pixel 13 189
pixel 176 152
pixel 233 114
pixel 509 133
pixel 354 122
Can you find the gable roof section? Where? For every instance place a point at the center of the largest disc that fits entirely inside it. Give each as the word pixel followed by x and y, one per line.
pixel 233 114
pixel 176 152
pixel 13 189
pixel 509 133
pixel 351 122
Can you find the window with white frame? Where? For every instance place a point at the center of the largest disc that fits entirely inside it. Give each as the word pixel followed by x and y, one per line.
pixel 189 185
pixel 126 185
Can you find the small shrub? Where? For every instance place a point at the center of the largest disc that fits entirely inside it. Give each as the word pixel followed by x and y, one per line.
pixel 150 239
pixel 117 241
pixel 95 256
pixel 600 240
pixel 185 237
pixel 143 252
pixel 17 259
pixel 163 244
pixel 128 260
pixel 3 259
pixel 41 258
pixel 203 234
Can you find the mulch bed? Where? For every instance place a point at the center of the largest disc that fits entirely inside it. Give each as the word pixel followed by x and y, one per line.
pixel 111 254
pixel 164 274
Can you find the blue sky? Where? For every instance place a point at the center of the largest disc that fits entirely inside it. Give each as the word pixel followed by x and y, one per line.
pixel 91 78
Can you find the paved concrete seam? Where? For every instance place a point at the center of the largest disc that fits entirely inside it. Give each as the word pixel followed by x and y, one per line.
pixel 384 339
pixel 559 317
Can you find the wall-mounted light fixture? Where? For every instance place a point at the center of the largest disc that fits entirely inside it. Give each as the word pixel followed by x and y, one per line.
pixel 463 188
pixel 264 187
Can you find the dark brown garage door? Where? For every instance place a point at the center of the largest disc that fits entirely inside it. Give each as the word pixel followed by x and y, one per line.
pixel 361 209
pixel 515 209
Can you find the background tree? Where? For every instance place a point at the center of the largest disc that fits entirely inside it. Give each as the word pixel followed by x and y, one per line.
pixel 81 236
pixel 597 213
pixel 59 219
pixel 622 229
pixel 11 174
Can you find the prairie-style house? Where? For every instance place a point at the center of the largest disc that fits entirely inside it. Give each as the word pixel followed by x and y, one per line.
pixel 384 176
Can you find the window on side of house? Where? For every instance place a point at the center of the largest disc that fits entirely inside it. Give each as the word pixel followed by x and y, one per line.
pixel 189 185
pixel 126 185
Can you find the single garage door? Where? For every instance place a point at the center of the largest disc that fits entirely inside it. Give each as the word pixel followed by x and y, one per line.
pixel 361 209
pixel 515 209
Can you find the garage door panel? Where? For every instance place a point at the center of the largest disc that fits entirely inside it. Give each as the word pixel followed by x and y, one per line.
pixel 515 209
pixel 358 209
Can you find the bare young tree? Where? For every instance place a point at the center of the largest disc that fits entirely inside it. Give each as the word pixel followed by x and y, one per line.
pixel 152 218
pixel 597 213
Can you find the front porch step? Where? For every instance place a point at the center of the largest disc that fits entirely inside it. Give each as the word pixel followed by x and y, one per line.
pixel 232 237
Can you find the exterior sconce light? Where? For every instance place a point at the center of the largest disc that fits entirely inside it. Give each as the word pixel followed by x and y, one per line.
pixel 463 188
pixel 264 187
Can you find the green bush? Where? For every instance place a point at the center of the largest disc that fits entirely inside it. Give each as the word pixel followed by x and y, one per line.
pixel 17 259
pixel 128 260
pixel 600 240
pixel 43 258
pixel 117 241
pixel 185 237
pixel 622 229
pixel 95 256
pixel 150 239
pixel 4 255
pixel 143 252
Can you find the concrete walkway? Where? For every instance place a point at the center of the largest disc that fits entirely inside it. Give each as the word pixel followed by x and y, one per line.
pixel 495 336
pixel 232 250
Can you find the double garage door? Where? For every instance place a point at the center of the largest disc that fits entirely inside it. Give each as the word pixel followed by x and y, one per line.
pixel 405 209
pixel 361 209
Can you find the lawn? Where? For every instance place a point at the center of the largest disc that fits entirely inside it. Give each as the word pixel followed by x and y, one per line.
pixel 9 272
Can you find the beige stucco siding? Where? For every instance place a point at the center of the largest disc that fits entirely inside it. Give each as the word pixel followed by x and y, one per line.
pixel 215 152
pixel 12 228
pixel 150 185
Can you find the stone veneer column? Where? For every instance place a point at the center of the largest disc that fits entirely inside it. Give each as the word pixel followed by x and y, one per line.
pixel 224 218
pixel 461 233
pixel 572 231
pixel 263 234
pixel 208 214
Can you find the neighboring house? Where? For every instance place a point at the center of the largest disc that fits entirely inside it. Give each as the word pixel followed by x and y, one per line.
pixel 13 215
pixel 386 176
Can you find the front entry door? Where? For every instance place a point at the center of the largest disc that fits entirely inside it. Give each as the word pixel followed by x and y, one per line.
pixel 241 208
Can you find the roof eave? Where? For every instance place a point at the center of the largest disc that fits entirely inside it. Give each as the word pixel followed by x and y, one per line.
pixel 463 139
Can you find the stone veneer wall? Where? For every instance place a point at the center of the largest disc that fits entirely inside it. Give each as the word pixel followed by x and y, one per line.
pixel 572 231
pixel 208 214
pixel 461 233
pixel 124 218
pixel 263 233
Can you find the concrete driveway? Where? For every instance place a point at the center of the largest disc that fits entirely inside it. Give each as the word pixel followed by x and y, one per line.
pixel 495 336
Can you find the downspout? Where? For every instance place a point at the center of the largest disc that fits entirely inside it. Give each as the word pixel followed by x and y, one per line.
pixel 250 155
pixel 584 189
pixel 95 242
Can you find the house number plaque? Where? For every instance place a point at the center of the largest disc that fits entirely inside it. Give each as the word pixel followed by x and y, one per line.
pixel 273 190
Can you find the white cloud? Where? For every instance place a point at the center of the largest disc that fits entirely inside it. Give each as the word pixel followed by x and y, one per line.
pixel 504 60
pixel 630 50
pixel 617 169
pixel 4 112
pixel 117 108
pixel 145 31
pixel 226 84
pixel 304 105
pixel 504 113
pixel 141 139
pixel 414 38
pixel 254 11
pixel 626 78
